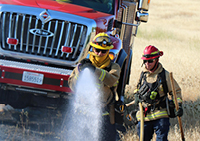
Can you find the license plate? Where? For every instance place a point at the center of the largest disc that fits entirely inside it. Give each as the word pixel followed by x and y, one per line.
pixel 32 77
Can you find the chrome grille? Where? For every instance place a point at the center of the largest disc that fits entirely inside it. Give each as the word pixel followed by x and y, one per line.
pixel 65 33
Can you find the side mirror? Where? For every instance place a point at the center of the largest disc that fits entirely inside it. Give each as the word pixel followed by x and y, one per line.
pixel 143 5
pixel 143 17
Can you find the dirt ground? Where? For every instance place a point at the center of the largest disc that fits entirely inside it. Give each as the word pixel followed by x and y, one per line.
pixel 31 124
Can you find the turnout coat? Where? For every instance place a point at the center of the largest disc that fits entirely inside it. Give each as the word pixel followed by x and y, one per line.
pixel 158 112
pixel 107 84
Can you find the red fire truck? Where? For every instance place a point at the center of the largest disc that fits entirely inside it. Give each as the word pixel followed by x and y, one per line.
pixel 41 41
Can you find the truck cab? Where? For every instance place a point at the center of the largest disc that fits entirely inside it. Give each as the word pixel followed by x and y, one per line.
pixel 41 41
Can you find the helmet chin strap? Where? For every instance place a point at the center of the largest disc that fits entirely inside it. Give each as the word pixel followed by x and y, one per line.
pixel 155 66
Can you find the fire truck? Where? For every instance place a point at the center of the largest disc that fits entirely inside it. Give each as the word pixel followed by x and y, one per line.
pixel 41 41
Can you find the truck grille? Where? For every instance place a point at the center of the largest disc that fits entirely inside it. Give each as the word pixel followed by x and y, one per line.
pixel 63 33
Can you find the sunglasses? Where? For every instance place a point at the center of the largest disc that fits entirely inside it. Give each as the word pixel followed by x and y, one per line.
pixel 149 61
pixel 100 50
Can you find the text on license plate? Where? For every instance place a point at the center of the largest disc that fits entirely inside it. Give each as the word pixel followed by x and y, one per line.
pixel 32 77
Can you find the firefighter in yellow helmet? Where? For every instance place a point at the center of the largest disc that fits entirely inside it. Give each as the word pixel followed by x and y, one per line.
pixel 155 92
pixel 108 74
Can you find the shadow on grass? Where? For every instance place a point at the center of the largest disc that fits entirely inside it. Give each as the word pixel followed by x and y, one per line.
pixel 32 124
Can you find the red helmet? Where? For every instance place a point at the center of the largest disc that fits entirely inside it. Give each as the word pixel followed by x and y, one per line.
pixel 151 52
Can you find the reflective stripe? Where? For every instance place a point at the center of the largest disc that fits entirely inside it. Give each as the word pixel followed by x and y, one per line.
pixel 179 100
pixel 116 84
pixel 155 52
pixel 105 114
pixel 154 115
pixel 98 85
pixel 103 74
pixel 76 76
pixel 136 90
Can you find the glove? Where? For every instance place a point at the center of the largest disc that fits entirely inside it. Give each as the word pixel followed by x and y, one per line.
pixel 137 99
pixel 86 63
pixel 86 60
pixel 180 110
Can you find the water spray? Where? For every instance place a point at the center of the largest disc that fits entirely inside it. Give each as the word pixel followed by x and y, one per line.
pixel 84 110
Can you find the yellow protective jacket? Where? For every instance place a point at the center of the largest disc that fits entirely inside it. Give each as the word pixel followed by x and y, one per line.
pixel 159 112
pixel 106 80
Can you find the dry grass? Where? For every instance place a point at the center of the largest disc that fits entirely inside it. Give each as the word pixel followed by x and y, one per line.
pixel 173 27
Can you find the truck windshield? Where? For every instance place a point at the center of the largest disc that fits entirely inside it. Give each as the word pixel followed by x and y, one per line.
pixel 106 6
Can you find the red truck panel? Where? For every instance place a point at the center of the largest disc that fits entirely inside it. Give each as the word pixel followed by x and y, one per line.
pixel 13 76
pixel 62 7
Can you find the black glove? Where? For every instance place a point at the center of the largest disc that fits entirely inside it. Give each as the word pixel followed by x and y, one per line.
pixel 180 110
pixel 86 63
pixel 137 99
pixel 86 60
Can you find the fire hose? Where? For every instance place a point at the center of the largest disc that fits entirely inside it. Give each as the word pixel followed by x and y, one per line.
pixel 141 122
pixel 130 118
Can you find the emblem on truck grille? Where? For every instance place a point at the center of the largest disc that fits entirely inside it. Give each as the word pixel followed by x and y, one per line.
pixel 44 16
pixel 41 32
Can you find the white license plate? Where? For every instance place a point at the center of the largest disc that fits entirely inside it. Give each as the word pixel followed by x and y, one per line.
pixel 32 77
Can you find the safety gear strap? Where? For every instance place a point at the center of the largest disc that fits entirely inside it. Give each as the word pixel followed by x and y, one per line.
pixel 155 66
pixel 164 82
pixel 162 103
pixel 160 75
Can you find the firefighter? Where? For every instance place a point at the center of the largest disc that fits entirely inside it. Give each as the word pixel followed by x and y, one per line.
pixel 154 91
pixel 108 74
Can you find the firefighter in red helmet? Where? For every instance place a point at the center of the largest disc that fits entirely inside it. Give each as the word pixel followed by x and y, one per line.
pixel 154 91
pixel 108 74
pixel 151 53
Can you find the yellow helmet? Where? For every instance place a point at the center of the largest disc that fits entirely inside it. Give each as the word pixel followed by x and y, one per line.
pixel 102 41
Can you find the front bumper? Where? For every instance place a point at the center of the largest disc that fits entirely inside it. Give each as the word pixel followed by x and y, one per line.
pixel 54 80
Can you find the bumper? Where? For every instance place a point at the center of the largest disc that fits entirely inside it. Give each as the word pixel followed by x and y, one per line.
pixel 54 79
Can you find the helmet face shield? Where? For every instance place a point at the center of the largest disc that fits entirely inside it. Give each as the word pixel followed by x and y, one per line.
pixel 102 38
pixel 103 41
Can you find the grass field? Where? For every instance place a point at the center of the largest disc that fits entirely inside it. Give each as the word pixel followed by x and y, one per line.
pixel 173 27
